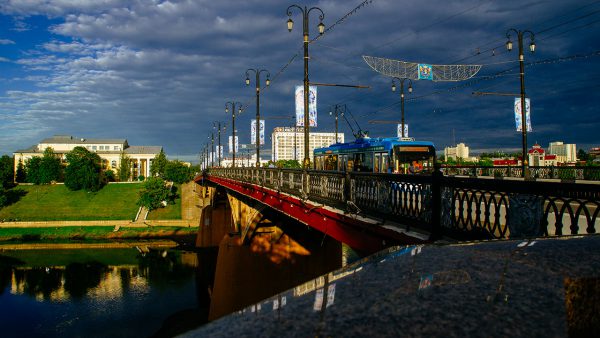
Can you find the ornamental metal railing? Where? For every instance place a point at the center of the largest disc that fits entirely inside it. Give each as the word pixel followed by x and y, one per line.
pixel 565 173
pixel 458 207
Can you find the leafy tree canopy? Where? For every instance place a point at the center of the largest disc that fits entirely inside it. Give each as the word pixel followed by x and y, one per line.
pixel 153 194
pixel 83 170
pixel 124 168
pixel 159 164
pixel 6 171
pixel 177 172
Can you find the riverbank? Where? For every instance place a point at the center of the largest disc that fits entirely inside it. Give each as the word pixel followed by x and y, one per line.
pixel 94 234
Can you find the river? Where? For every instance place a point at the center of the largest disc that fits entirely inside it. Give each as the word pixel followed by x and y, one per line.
pixel 138 292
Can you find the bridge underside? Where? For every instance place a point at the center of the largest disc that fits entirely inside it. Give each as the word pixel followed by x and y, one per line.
pixel 365 235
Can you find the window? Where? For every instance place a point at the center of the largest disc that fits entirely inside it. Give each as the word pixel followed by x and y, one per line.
pixel 116 148
pixel 93 147
pixel 113 164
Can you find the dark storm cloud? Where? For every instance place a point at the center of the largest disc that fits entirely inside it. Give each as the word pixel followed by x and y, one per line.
pixel 160 72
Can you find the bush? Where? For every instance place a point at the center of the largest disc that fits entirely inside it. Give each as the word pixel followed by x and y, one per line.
pixel 109 175
pixel 141 178
pixel 154 193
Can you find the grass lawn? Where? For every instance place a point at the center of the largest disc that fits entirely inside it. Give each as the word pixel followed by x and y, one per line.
pixel 171 211
pixel 59 257
pixel 90 233
pixel 56 202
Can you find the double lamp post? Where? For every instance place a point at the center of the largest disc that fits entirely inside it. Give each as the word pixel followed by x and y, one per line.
pixel 509 46
pixel 305 11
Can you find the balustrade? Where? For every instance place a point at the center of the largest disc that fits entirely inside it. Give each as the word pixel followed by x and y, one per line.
pixel 463 207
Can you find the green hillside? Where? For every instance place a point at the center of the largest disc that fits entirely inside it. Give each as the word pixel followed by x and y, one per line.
pixel 56 202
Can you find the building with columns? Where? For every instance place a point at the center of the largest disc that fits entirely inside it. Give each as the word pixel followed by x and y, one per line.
pixel 109 150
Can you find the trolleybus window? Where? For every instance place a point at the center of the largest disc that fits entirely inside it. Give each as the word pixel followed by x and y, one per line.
pixel 417 159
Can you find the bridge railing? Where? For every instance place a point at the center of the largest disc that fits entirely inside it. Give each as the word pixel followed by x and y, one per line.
pixel 568 173
pixel 462 208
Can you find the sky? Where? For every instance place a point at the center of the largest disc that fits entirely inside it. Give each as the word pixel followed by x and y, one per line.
pixel 160 72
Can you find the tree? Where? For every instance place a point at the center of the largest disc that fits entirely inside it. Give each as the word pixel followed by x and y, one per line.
pixel 6 171
pixel 582 155
pixel 21 175
pixel 50 167
pixel 159 164
pixel 84 170
pixel 32 168
pixel 124 168
pixel 177 172
pixel 153 194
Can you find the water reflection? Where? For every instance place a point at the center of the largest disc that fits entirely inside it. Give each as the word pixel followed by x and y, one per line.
pixel 40 295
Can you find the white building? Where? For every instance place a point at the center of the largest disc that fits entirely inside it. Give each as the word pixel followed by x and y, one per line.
pixel 288 143
pixel 460 151
pixel 109 151
pixel 565 153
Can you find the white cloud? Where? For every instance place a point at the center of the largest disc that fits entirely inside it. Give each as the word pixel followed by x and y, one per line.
pixel 6 42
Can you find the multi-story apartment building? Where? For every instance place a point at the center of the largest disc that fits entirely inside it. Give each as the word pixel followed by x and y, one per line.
pixel 565 153
pixel 461 151
pixel 287 143
pixel 109 150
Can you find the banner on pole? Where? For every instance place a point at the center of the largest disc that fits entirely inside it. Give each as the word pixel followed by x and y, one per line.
pixel 230 144
pixel 400 130
pixel 253 132
pixel 312 106
pixel 518 115
pixel 425 72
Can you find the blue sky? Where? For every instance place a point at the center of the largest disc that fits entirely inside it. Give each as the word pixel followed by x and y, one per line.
pixel 160 72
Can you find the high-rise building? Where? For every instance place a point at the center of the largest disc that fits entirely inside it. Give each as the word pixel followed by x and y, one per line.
pixel 565 153
pixel 460 151
pixel 287 143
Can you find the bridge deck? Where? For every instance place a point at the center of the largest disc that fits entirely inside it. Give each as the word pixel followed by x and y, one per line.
pixel 545 287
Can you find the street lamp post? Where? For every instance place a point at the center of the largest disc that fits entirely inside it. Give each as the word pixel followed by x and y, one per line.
pixel 257 82
pixel 338 113
pixel 232 105
pixel 509 46
pixel 410 89
pixel 217 125
pixel 305 15
pixel 212 141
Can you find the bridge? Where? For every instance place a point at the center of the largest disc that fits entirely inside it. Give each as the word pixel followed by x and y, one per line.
pixel 369 212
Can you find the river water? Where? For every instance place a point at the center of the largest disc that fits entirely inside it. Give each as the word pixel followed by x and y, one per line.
pixel 125 292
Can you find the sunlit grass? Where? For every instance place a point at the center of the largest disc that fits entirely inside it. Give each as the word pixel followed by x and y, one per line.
pixel 56 202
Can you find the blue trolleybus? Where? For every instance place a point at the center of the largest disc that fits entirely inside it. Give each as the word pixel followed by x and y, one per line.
pixel 379 155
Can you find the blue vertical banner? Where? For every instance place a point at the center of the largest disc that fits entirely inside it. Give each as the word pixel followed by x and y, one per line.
pixel 400 130
pixel 518 114
pixel 312 106
pixel 231 144
pixel 425 72
pixel 253 132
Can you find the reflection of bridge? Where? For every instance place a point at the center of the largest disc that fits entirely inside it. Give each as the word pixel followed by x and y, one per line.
pixel 371 211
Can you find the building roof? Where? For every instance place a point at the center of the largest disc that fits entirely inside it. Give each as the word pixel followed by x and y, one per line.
pixel 67 139
pixel 143 150
pixel 31 149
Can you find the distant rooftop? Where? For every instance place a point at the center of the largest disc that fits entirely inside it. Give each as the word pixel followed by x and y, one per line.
pixel 143 150
pixel 67 139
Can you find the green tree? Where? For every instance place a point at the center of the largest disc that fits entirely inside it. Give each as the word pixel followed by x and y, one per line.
pixel 6 171
pixel 177 172
pixel 124 168
pixel 153 194
pixel 159 164
pixel 21 175
pixel 84 170
pixel 582 155
pixel 32 168
pixel 109 175
pixel 50 167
